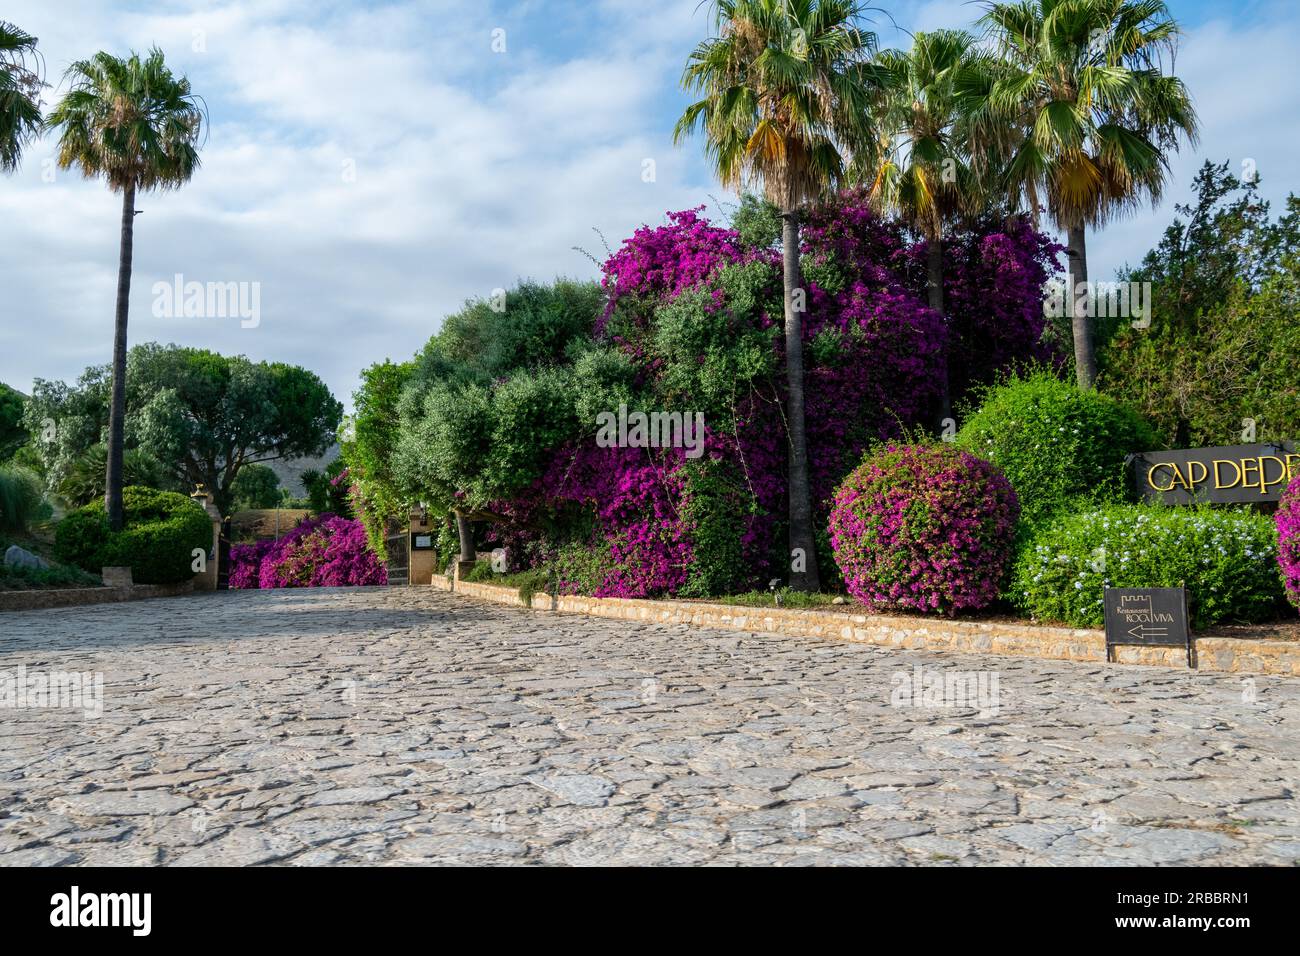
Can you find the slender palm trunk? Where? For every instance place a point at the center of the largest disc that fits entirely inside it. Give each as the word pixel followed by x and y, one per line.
pixel 803 575
pixel 117 406
pixel 934 270
pixel 1085 360
pixel 466 533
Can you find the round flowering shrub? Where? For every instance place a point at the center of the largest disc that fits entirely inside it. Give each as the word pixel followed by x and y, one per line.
pixel 924 528
pixel 1057 445
pixel 323 552
pixel 1288 538
pixel 1226 559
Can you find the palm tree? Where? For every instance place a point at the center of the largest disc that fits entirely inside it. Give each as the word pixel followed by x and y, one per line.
pixel 1086 114
pixel 20 86
pixel 135 124
pixel 785 89
pixel 925 173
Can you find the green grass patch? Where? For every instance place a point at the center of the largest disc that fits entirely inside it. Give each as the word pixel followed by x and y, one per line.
pixel 528 582
pixel 55 576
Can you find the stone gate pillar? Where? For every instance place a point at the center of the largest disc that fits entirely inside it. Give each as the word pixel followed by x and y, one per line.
pixel 206 580
pixel 419 542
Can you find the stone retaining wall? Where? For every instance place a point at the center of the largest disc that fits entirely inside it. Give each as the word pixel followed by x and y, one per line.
pixel 40 599
pixel 1229 655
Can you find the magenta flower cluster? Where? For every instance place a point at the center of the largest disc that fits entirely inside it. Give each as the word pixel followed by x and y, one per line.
pixel 659 263
pixel 875 357
pixel 322 552
pixel 1288 540
pixel 924 528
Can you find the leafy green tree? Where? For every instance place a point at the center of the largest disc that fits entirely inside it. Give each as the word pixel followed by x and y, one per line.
pixel 136 125
pixel 205 416
pixel 758 222
pixel 785 92
pixel 20 89
pixel 475 415
pixel 1218 362
pixel 367 443
pixel 1085 113
pixel 66 420
pixel 13 434
pixel 256 486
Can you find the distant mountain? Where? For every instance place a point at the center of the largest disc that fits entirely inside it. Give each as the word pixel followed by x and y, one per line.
pixel 290 470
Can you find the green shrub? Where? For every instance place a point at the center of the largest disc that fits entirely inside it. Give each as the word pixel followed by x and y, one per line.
pixel 55 576
pixel 21 498
pixel 1228 560
pixel 162 530
pixel 582 567
pixel 480 573
pixel 1060 447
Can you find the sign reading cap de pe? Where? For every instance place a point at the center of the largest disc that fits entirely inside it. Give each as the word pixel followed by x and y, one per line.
pixel 1239 474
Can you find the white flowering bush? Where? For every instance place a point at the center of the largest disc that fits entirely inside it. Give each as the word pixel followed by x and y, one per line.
pixel 1227 559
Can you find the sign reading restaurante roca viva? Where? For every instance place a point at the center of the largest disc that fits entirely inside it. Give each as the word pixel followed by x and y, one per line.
pixel 1234 475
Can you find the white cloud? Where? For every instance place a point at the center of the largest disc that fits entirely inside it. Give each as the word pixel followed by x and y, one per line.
pixel 472 168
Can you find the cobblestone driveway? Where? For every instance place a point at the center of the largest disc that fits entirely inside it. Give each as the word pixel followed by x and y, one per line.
pixel 412 726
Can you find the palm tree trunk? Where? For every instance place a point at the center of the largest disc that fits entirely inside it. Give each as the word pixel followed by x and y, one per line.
pixel 934 270
pixel 117 406
pixel 803 576
pixel 466 533
pixel 1085 360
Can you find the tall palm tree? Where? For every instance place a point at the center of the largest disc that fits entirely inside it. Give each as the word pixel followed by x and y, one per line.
pixel 785 88
pixel 1087 114
pixel 20 86
pixel 136 125
pixel 925 172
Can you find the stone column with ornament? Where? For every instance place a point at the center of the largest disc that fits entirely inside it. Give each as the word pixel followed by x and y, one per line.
pixel 206 579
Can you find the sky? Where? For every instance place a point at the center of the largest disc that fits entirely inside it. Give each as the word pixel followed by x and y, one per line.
pixel 371 166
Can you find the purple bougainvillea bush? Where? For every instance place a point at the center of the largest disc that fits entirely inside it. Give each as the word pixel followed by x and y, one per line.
pixel 692 322
pixel 924 528
pixel 1288 540
pixel 322 552
pixel 246 563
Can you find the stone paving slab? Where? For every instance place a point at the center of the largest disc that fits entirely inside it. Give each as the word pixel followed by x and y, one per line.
pixel 410 726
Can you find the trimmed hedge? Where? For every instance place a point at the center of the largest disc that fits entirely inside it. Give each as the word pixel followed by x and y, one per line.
pixel 162 530
pixel 1058 446
pixel 1228 560
pixel 925 528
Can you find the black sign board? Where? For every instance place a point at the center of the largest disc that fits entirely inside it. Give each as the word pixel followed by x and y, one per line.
pixel 421 541
pixel 1147 617
pixel 1239 474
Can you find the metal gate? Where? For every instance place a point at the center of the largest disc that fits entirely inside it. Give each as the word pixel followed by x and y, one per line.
pixel 223 557
pixel 395 543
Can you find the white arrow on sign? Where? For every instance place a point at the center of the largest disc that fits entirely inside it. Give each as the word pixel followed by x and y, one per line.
pixel 1142 631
